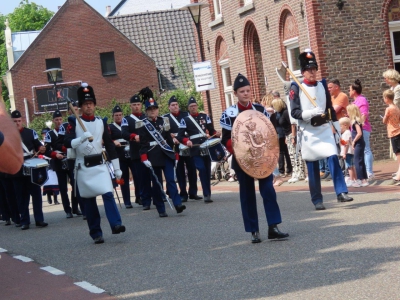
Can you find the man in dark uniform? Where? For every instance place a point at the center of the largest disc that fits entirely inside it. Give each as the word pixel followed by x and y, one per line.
pixel 195 126
pixel 57 152
pixel 92 175
pixel 175 116
pixel 75 197
pixel 141 178
pixel 246 183
pixel 120 144
pixel 23 186
pixel 316 138
pixel 156 154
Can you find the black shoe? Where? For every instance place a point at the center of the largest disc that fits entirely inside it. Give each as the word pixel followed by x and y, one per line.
pixel 163 215
pixel 118 229
pixel 180 208
pixel 255 237
pixel 18 225
pixel 24 227
pixel 77 212
pixel 41 224
pixel 69 216
pixel 99 240
pixel 326 175
pixel 344 198
pixel 128 206
pixel 84 217
pixel 138 200
pixel 8 223
pixel 184 199
pixel 207 199
pixel 146 207
pixel 319 206
pixel 275 233
pixel 195 197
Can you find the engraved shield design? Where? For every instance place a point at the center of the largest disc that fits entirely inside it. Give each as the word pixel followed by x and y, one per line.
pixel 255 144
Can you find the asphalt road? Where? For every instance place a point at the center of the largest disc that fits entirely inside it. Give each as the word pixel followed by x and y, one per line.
pixel 349 251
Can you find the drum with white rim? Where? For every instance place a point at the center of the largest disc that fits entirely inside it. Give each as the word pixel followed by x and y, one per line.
pixel 214 149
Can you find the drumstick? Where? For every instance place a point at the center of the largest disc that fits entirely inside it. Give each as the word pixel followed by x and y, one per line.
pixel 71 107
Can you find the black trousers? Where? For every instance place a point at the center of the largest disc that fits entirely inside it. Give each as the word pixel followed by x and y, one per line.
pixel 284 155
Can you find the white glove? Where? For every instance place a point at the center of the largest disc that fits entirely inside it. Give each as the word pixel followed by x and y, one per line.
pixel 310 113
pixel 75 143
pixel 117 169
pixel 147 163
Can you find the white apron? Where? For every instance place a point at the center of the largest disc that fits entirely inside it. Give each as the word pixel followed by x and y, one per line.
pixel 317 142
pixel 93 181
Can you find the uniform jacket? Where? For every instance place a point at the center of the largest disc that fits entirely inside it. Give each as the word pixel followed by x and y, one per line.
pixel 187 129
pixel 150 149
pixel 227 119
pixel 129 132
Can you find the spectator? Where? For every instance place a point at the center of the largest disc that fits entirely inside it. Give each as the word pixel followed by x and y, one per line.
pixel 392 121
pixel 392 78
pixel 362 103
pixel 339 99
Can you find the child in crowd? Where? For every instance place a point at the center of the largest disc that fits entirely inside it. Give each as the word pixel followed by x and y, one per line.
pixel 392 121
pixel 346 151
pixel 358 143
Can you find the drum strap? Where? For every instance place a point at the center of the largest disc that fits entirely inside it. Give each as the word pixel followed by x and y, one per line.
pixel 156 135
pixel 197 125
pixel 27 152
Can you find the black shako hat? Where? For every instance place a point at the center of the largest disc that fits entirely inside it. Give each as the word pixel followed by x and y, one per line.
pixel 57 114
pixel 191 101
pixel 240 81
pixel 150 103
pixel 307 60
pixel 85 93
pixel 172 100
pixel 135 99
pixel 16 114
pixel 116 109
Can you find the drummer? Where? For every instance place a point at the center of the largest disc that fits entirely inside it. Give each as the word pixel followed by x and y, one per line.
pixel 120 144
pixel 248 203
pixel 23 185
pixel 175 116
pixel 195 125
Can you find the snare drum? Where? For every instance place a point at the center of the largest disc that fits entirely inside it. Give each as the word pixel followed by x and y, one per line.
pixel 36 168
pixel 184 150
pixel 127 152
pixel 214 149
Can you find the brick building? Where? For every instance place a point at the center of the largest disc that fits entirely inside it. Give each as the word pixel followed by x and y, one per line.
pixel 88 48
pixel 359 39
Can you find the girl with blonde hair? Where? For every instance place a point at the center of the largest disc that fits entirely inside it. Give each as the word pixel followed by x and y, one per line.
pixel 358 143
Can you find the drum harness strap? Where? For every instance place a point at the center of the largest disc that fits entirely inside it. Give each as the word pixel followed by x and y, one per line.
pixel 156 135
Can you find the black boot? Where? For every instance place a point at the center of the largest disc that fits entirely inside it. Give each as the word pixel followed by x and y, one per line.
pixel 274 233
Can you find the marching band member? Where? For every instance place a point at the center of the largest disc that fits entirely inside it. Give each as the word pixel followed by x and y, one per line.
pixel 175 116
pixel 141 180
pixel 248 203
pixel 195 125
pixel 23 185
pixel 120 144
pixel 157 155
pixel 92 175
pixel 316 137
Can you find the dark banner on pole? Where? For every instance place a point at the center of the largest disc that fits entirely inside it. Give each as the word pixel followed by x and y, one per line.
pixel 47 99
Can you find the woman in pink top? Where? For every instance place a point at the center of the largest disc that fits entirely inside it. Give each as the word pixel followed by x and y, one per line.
pixel 362 103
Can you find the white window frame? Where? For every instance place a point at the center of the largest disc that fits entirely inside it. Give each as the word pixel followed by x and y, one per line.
pixel 289 45
pixel 394 27
pixel 217 9
pixel 228 90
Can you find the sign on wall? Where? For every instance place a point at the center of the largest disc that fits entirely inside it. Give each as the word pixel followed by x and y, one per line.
pixel 47 98
pixel 203 76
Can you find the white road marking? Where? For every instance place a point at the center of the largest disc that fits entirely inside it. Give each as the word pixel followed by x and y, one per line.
pixel 53 271
pixel 89 287
pixel 23 258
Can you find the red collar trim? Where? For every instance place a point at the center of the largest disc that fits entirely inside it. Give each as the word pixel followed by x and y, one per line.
pixel 241 107
pixel 195 115
pixel 309 82
pixel 87 118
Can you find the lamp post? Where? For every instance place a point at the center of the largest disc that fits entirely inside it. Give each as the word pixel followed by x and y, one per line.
pixel 195 12
pixel 53 73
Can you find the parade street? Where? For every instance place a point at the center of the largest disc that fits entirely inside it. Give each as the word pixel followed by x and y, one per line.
pixel 349 251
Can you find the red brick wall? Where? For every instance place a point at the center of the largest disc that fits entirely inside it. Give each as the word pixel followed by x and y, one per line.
pixel 78 34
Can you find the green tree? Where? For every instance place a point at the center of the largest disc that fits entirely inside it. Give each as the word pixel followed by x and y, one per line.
pixel 27 16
